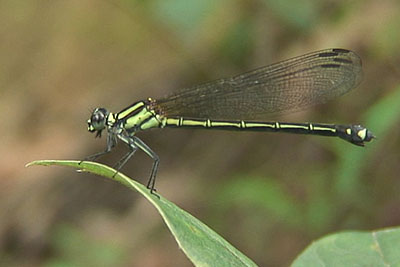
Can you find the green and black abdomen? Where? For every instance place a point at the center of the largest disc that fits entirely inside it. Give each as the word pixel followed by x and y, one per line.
pixel 354 134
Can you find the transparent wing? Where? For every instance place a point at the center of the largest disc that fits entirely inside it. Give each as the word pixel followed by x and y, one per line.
pixel 289 85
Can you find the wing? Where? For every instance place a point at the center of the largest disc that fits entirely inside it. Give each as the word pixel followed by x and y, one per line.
pixel 286 86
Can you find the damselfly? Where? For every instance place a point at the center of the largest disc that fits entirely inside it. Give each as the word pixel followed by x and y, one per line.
pixel 236 103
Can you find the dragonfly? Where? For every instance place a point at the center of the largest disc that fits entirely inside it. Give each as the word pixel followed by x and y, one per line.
pixel 240 103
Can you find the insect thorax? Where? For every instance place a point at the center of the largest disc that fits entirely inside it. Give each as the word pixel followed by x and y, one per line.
pixel 138 117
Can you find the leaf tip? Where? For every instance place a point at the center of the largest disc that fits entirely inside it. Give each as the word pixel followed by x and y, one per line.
pixel 30 163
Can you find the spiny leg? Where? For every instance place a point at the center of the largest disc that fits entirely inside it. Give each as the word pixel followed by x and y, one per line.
pixel 95 156
pixel 110 144
pixel 152 180
pixel 124 159
pixel 118 166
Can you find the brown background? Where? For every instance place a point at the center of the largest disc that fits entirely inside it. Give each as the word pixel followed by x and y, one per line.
pixel 268 194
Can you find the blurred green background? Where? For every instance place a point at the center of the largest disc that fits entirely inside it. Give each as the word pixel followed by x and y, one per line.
pixel 268 194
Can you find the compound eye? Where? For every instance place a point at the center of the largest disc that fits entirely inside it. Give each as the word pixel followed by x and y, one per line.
pixel 97 120
pixel 98 117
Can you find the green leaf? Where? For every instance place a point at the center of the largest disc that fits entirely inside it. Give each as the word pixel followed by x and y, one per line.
pixel 200 244
pixel 377 248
